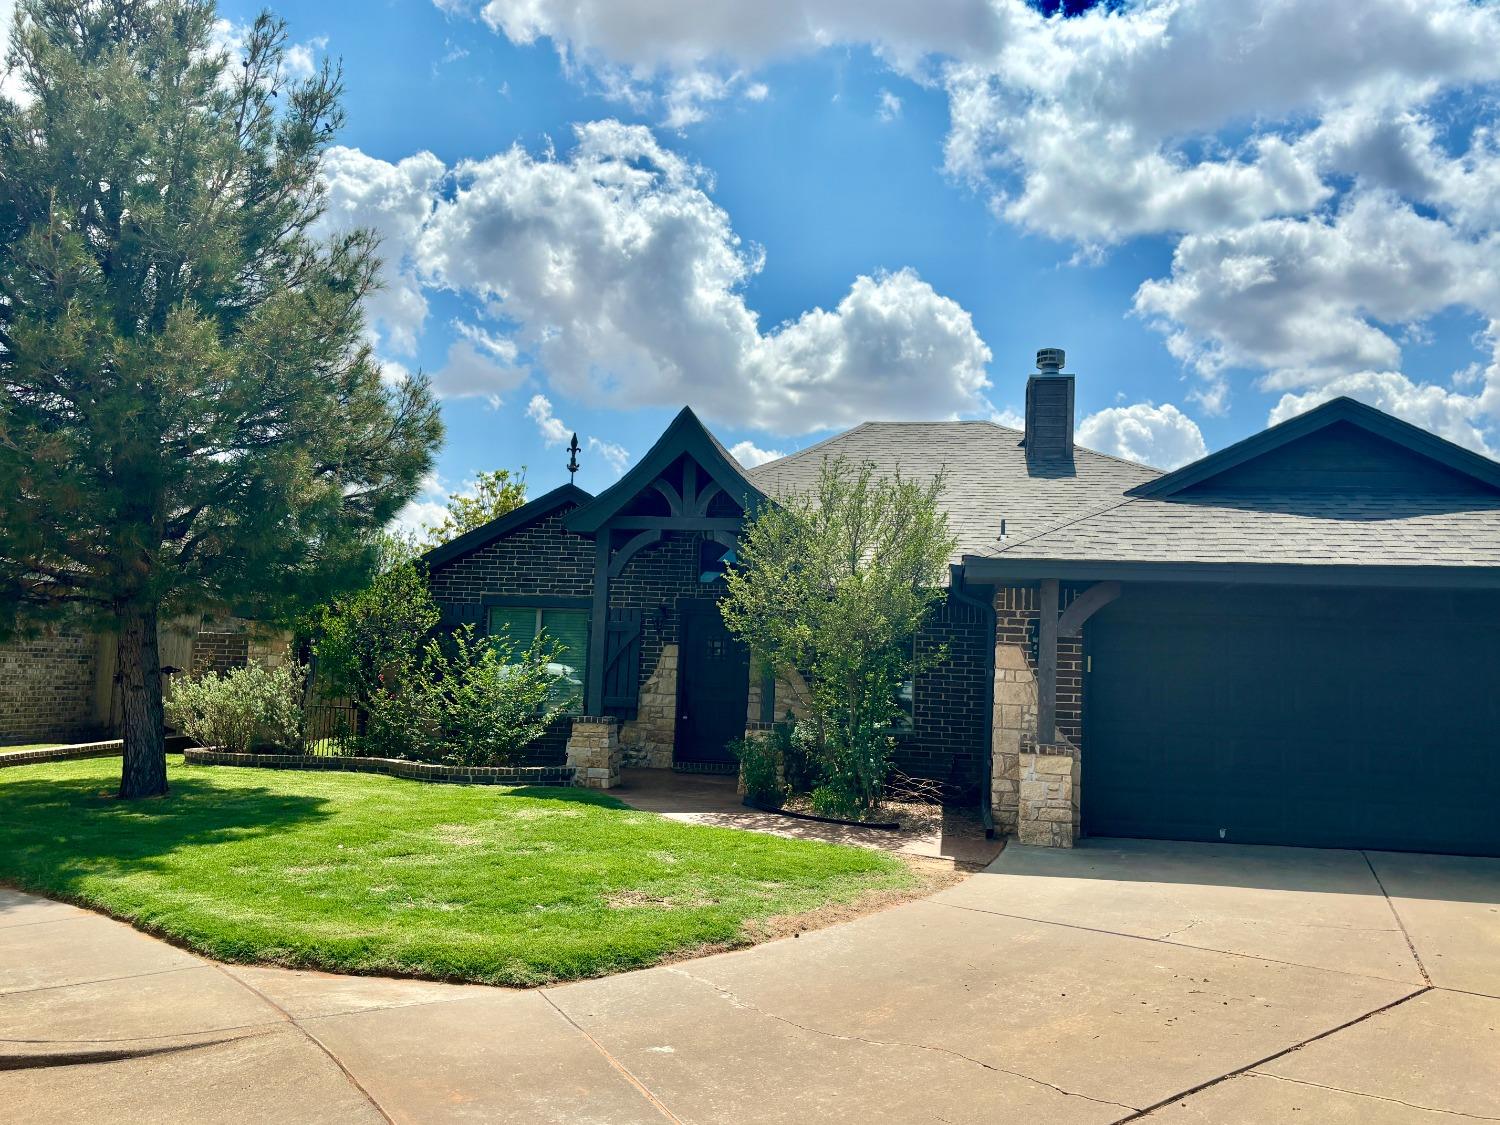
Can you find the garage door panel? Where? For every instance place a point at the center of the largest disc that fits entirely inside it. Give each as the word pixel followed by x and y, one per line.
pixel 1337 719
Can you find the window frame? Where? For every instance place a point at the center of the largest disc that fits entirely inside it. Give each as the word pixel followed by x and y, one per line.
pixel 539 605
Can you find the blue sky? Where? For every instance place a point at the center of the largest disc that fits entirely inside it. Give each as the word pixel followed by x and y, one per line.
pixel 1221 216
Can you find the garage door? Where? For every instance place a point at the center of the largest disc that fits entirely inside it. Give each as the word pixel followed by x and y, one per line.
pixel 1320 718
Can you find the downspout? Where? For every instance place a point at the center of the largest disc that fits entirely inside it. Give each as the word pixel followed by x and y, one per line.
pixel 986 607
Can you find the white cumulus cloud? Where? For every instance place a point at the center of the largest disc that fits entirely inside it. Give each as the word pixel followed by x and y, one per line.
pixel 556 432
pixel 1332 171
pixel 612 269
pixel 748 454
pixel 1161 436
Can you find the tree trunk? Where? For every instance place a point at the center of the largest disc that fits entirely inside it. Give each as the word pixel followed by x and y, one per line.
pixel 144 773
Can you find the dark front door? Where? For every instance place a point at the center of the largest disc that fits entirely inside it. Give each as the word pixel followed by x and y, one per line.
pixel 713 685
pixel 1346 719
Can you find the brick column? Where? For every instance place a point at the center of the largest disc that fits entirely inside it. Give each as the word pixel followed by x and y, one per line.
pixel 594 751
pixel 1048 796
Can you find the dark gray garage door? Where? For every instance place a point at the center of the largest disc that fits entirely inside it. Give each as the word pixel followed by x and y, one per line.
pixel 1283 716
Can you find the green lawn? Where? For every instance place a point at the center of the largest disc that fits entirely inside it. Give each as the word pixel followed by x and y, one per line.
pixel 360 873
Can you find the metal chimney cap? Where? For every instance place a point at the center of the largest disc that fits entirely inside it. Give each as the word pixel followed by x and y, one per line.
pixel 1050 360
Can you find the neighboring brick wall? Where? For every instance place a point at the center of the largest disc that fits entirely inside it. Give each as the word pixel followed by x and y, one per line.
pixel 219 650
pixel 946 742
pixel 541 558
pixel 47 687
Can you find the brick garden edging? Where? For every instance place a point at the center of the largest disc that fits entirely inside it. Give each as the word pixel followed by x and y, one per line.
pixel 112 748
pixel 394 767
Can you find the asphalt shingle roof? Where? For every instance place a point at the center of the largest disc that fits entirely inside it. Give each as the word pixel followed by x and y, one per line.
pixel 1310 529
pixel 987 476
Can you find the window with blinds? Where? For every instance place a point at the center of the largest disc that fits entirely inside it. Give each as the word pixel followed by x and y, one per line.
pixel 569 628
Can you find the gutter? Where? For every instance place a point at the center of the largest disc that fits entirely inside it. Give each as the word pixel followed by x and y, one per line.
pixel 958 590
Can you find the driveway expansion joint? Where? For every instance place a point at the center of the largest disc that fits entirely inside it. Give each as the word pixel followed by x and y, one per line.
pixel 740 1002
pixel 1176 944
pixel 624 1071
pixel 1396 914
pixel 1251 1067
pixel 311 1038
pixel 1375 1097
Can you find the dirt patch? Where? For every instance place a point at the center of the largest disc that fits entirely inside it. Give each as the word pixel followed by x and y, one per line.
pixel 932 876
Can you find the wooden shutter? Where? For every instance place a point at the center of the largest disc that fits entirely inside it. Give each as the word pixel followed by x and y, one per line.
pixel 622 662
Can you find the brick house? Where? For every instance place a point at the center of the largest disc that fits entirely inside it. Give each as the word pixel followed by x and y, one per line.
pixel 1293 640
pixel 60 684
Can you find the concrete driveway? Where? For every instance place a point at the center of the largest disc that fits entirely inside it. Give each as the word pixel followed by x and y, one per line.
pixel 1123 980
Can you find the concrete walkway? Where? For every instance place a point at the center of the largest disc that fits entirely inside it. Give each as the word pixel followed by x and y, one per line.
pixel 1124 980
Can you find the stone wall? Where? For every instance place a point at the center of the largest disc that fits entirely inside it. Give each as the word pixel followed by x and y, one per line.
pixel 594 751
pixel 47 687
pixel 1048 811
pixel 648 739
pixel 1013 732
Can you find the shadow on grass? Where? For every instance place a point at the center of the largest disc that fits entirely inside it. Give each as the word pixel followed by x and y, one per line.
pixel 567 795
pixel 56 832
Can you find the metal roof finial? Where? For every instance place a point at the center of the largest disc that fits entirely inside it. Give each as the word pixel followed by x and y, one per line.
pixel 572 458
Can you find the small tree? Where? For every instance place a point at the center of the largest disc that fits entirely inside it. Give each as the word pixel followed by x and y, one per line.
pixel 495 494
pixel 190 414
pixel 833 584
pixel 368 641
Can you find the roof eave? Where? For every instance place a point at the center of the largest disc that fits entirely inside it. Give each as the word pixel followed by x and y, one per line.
pixel 485 534
pixel 1002 568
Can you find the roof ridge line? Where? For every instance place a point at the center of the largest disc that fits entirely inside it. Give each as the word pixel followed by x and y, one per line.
pixel 815 445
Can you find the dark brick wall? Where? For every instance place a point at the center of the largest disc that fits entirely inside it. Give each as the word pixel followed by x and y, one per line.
pixel 219 651
pixel 541 558
pixel 1015 607
pixel 947 740
pixel 46 687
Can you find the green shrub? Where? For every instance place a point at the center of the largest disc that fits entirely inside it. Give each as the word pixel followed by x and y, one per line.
pixel 760 770
pixel 242 708
pixel 470 700
pixel 796 746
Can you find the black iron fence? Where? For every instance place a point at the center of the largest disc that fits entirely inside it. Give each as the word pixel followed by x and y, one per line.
pixel 330 729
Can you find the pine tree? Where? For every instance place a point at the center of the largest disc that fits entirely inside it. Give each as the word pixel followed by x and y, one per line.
pixel 190 414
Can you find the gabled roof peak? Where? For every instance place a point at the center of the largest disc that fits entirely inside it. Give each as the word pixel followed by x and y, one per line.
pixel 686 435
pixel 1341 411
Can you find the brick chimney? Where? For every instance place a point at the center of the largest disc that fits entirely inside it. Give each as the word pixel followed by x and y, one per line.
pixel 1049 411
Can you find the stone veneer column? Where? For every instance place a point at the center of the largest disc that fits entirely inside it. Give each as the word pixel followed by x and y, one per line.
pixel 648 739
pixel 594 751
pixel 1048 796
pixel 1014 727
